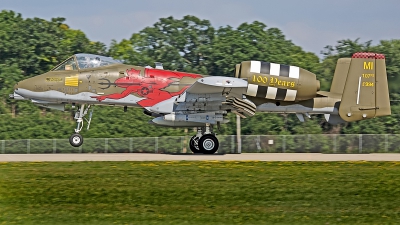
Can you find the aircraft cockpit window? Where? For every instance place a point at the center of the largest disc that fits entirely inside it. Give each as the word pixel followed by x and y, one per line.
pixel 93 61
pixel 70 64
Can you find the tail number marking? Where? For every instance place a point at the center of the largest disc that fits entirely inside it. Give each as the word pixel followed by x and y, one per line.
pixel 367 84
pixel 368 75
pixel 368 65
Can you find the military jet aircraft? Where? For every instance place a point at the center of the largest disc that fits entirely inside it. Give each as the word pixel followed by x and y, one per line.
pixel 359 91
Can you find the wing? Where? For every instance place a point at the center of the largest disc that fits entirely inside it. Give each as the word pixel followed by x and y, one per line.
pixel 210 98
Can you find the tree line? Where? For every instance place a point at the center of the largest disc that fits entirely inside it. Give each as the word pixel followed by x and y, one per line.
pixel 32 46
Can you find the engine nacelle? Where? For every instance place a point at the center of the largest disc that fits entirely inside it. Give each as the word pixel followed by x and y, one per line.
pixel 278 82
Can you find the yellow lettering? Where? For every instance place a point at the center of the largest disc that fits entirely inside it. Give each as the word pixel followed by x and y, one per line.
pixel 271 82
pixel 367 84
pixel 260 79
pixel 368 65
pixel 368 75
pixel 274 81
pixel 53 79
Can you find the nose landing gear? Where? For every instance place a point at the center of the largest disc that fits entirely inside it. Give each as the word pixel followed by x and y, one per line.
pixel 76 139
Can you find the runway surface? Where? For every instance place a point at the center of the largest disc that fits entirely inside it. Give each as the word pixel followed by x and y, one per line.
pixel 188 157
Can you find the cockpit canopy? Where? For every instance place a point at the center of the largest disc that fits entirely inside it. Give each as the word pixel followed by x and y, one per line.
pixel 83 61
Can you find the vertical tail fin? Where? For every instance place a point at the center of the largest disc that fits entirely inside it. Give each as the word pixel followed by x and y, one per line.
pixel 340 76
pixel 365 88
pixel 382 89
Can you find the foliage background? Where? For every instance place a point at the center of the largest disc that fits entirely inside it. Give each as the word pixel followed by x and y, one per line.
pixel 31 46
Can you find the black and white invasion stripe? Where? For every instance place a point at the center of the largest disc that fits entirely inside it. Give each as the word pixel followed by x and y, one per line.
pixel 273 69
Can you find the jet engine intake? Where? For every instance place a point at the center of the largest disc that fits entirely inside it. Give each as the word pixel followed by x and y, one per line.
pixel 278 82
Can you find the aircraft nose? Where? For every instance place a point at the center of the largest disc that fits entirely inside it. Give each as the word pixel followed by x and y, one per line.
pixel 15 95
pixel 27 89
pixel 18 86
pixel 23 84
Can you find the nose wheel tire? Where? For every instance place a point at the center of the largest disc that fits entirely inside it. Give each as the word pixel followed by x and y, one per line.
pixel 193 144
pixel 208 144
pixel 76 140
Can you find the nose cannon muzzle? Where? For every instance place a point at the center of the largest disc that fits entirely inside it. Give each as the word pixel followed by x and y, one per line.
pixel 15 95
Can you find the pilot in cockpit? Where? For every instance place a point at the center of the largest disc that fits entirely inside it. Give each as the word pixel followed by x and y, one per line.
pixel 70 65
pixel 95 62
pixel 90 62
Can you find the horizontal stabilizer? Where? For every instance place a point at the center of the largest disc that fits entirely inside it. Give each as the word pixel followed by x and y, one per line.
pixel 333 119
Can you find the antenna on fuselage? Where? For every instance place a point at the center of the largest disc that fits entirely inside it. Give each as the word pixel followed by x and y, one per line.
pixel 159 65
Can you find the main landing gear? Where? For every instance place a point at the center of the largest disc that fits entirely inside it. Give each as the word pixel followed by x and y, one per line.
pixel 204 141
pixel 76 139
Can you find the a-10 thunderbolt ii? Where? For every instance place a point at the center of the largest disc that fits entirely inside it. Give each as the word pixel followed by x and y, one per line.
pixel 359 91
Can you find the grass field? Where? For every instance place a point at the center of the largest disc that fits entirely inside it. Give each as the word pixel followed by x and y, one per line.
pixel 208 192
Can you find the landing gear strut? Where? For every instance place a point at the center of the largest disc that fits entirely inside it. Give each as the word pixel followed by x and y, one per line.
pixel 204 141
pixel 194 141
pixel 76 139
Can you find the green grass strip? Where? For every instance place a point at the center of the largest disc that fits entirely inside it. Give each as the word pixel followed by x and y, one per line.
pixel 208 192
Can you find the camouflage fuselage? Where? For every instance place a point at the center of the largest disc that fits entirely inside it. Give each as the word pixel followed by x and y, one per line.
pixel 110 85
